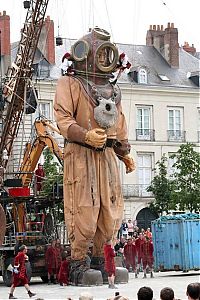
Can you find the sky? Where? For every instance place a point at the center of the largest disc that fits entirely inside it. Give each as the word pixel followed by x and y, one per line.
pixel 126 20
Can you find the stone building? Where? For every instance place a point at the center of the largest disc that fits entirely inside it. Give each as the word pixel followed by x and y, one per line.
pixel 160 98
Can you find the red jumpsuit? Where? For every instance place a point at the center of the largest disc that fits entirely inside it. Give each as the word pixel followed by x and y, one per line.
pixel 20 278
pixel 39 178
pixel 58 257
pixel 51 260
pixel 130 255
pixel 63 274
pixel 138 243
pixel 147 254
pixel 109 264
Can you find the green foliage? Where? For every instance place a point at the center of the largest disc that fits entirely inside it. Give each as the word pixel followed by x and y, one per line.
pixel 162 188
pixel 52 176
pixel 187 178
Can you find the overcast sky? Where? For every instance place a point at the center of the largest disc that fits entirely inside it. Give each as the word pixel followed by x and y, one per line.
pixel 126 20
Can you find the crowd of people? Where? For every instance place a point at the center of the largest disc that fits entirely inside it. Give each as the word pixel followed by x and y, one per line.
pixel 167 293
pixel 58 261
pixel 146 293
pixel 135 247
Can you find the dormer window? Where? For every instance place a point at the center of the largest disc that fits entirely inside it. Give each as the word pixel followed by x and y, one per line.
pixel 138 74
pixel 142 76
pixel 194 76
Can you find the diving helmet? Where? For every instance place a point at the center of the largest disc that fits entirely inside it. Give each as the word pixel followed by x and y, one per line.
pixel 94 54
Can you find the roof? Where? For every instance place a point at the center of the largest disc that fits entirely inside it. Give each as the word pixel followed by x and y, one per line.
pixel 142 56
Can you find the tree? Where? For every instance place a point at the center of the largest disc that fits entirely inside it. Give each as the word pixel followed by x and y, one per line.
pixel 51 169
pixel 187 178
pixel 161 187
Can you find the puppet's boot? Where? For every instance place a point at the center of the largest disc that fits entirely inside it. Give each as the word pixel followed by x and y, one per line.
pixel 121 275
pixel 97 263
pixel 81 274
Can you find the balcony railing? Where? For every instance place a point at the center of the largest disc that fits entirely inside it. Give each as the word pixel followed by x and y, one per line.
pixel 145 135
pixel 176 135
pixel 135 190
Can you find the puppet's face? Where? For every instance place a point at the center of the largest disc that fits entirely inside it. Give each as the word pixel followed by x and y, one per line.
pixel 94 54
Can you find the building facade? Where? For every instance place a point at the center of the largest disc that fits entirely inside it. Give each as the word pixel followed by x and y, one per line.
pixel 160 98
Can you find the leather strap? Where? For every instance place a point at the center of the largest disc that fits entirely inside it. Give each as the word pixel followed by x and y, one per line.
pixel 109 143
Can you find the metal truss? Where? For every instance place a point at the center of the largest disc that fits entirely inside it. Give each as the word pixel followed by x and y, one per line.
pixel 18 77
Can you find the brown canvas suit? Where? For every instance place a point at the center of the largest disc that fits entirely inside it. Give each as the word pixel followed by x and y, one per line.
pixel 93 203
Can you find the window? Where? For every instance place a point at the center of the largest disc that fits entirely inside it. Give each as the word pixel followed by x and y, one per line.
pixel 144 172
pixel 44 110
pixel 144 120
pixel 163 77
pixel 175 124
pixel 142 76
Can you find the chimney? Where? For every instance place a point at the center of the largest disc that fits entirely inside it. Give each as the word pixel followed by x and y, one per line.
pixel 5 41
pixel 154 36
pixel 46 42
pixel 165 41
pixel 189 49
pixel 171 46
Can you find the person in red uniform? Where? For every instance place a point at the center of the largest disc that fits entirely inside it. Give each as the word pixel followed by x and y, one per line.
pixel 109 265
pixel 63 275
pixel 130 255
pixel 138 243
pixel 39 175
pixel 52 262
pixel 147 256
pixel 19 272
pixel 148 233
pixel 59 250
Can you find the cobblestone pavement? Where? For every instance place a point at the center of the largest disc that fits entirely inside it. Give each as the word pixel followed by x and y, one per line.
pixel 176 280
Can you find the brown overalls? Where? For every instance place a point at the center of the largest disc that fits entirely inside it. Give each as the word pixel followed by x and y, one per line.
pixel 93 203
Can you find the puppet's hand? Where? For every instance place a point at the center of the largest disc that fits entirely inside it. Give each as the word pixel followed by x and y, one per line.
pixel 96 137
pixel 129 163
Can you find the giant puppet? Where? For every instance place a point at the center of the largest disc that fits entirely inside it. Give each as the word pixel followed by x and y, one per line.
pixel 89 115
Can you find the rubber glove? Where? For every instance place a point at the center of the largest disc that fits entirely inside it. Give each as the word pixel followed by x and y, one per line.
pixel 129 163
pixel 96 137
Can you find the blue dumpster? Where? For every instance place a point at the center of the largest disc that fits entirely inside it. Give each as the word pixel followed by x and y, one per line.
pixel 177 242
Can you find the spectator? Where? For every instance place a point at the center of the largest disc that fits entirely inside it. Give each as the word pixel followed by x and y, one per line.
pixel 86 296
pixel 193 291
pixel 124 229
pixel 167 294
pixel 118 297
pixel 145 293
pixel 130 228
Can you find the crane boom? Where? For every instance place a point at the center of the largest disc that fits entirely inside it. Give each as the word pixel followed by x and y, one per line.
pixel 34 150
pixel 19 75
